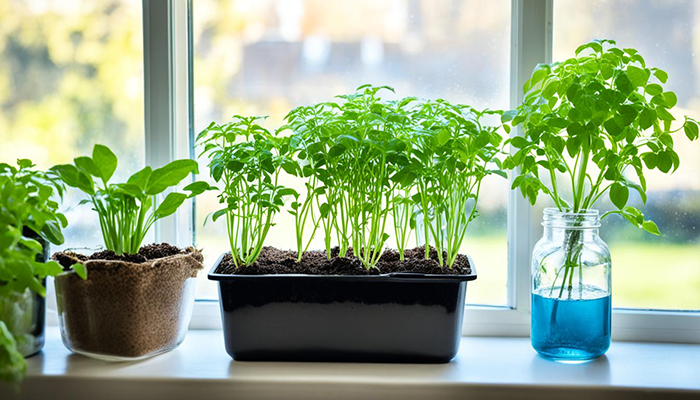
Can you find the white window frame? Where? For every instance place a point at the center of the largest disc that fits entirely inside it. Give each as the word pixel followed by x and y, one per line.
pixel 169 134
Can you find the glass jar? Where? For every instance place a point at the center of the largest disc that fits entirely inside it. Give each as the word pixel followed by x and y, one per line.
pixel 571 288
pixel 24 315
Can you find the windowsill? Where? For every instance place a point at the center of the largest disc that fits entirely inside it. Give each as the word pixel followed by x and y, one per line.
pixel 491 367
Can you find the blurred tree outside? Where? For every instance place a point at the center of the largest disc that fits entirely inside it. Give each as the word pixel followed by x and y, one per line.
pixel 71 75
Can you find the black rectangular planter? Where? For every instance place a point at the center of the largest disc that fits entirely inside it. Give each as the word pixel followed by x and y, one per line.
pixel 406 318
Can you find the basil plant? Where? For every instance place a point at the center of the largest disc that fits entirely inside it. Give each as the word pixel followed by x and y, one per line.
pixel 29 201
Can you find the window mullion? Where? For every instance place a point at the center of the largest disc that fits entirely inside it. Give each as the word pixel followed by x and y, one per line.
pixel 531 44
pixel 166 105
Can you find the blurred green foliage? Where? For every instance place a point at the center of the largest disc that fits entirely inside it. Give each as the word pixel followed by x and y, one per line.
pixel 71 74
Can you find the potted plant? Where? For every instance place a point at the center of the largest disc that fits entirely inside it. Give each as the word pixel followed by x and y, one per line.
pixel 363 161
pixel 29 221
pixel 591 126
pixel 136 301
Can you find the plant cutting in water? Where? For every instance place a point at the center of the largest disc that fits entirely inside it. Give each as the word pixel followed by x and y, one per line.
pixel 594 123
pixel 28 204
pixel 128 210
pixel 249 170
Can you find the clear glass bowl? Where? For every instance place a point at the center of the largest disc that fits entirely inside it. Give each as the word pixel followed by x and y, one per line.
pixel 118 316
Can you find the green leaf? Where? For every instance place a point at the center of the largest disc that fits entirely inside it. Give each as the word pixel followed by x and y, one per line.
pixel 572 146
pixel 651 227
pixel 217 214
pixel 663 114
pixel 612 127
pixel 661 75
pixel 519 142
pixel 24 163
pixel 80 269
pixel 287 192
pixel 637 76
pixel 508 115
pixel 670 99
pixel 619 195
pixel 646 118
pixel 235 165
pixel 623 84
pixel 443 137
pixel 140 178
pixel 31 244
pixel 627 114
pixel 654 89
pixel 52 268
pixel 216 171
pixel 595 46
pixel 86 164
pixel 197 188
pixel 499 172
pixel 404 177
pixel 691 129
pixel 105 160
pixel 73 177
pixel 649 160
pixel 171 203
pixel 129 189
pixel 52 232
pixel 170 175
pixel 550 89
pixel 12 363
pixel 664 162
pixel 639 189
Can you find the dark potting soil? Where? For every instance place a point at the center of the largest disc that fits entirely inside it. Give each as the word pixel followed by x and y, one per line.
pixel 274 261
pixel 146 252
pixel 130 305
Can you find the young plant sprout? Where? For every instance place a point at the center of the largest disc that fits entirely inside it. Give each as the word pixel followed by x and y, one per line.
pixel 369 159
pixel 354 148
pixel 363 160
pixel 249 171
pixel 593 121
pixel 453 152
pixel 365 153
pixel 305 123
pixel 128 210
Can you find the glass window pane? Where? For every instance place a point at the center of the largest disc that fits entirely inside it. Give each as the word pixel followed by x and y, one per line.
pixel 266 57
pixel 648 271
pixel 71 75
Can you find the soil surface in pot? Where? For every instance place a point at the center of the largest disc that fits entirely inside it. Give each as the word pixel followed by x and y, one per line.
pixel 131 305
pixel 275 261
pixel 147 252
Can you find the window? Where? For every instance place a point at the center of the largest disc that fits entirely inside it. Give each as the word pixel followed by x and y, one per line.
pixel 71 75
pixel 93 71
pixel 264 58
pixel 651 272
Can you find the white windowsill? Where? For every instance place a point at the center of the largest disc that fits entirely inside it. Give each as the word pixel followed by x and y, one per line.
pixel 484 368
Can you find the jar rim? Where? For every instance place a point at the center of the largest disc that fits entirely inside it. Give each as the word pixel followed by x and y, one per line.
pixel 553 211
pixel 584 219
